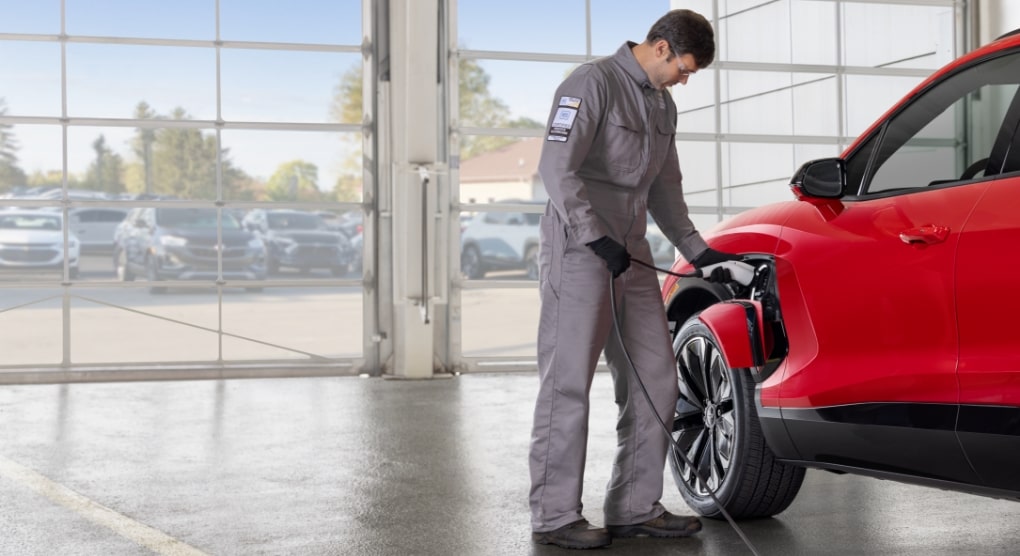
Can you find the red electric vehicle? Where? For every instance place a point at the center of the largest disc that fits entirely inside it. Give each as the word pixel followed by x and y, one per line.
pixel 876 336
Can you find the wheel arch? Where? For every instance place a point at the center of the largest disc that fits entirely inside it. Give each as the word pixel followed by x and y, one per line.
pixel 693 296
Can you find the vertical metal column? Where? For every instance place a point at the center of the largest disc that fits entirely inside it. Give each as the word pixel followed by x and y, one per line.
pixel 414 133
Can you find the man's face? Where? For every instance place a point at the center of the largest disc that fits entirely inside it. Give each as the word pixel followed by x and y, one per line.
pixel 671 68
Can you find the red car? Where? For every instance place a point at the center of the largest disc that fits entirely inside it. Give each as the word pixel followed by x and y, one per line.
pixel 875 336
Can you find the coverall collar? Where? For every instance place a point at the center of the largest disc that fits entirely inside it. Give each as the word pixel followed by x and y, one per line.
pixel 630 64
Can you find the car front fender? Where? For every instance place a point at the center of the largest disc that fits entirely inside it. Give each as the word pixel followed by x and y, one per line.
pixel 738 327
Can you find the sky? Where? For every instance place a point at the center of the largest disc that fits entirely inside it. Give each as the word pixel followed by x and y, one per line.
pixel 108 80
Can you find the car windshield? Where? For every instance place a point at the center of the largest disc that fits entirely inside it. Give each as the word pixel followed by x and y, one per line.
pixel 193 218
pixel 29 222
pixel 295 221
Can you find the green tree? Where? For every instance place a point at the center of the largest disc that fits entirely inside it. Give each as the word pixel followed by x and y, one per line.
pixel 106 171
pixel 142 142
pixel 184 163
pixel 477 107
pixel 347 188
pixel 10 173
pixel 296 180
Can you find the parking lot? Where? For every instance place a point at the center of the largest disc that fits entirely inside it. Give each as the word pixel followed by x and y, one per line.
pixel 289 323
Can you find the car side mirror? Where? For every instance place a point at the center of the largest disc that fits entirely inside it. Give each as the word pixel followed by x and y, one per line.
pixel 824 178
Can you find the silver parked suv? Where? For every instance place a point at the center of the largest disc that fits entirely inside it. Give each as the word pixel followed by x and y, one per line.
pixel 500 241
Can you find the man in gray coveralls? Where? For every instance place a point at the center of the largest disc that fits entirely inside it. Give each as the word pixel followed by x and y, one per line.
pixel 610 156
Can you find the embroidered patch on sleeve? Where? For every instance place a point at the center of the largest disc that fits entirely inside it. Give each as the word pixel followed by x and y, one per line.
pixel 572 102
pixel 563 121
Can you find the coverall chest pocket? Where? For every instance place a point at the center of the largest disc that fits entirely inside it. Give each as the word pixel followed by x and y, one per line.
pixel 662 141
pixel 625 144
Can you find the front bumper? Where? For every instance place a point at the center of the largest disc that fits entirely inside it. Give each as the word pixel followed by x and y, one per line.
pixel 203 263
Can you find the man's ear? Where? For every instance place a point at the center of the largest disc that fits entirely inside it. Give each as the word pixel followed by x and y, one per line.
pixel 662 48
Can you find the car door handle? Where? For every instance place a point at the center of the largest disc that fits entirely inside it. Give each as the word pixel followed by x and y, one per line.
pixel 927 234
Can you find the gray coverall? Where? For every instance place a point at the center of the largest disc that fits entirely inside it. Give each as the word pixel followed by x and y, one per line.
pixel 609 156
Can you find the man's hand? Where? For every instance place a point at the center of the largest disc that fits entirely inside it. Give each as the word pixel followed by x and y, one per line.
pixel 616 256
pixel 710 257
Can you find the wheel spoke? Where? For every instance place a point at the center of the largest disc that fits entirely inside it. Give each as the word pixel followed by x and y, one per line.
pixel 725 391
pixel 718 469
pixel 716 373
pixel 710 373
pixel 688 397
pixel 694 454
pixel 704 462
pixel 686 438
pixel 687 420
pixel 689 367
pixel 726 405
pixel 725 431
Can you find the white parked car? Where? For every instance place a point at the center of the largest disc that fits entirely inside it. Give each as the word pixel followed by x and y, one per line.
pixel 95 226
pixel 34 240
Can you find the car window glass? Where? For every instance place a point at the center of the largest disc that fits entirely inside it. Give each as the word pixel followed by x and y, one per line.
pixel 29 222
pixel 943 133
pixel 193 218
pixel 100 215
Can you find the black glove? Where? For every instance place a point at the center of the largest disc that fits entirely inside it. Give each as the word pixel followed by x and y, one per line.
pixel 616 256
pixel 710 257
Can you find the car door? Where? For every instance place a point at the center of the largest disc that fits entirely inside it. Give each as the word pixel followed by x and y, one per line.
pixel 498 238
pixel 94 227
pixel 880 388
pixel 986 284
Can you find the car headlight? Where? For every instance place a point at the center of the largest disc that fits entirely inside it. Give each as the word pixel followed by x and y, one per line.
pixel 256 244
pixel 172 241
pixel 283 241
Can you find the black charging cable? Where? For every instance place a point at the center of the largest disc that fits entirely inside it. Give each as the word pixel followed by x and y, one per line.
pixel 648 398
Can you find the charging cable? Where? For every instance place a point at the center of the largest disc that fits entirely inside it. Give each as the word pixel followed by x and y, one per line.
pixel 648 397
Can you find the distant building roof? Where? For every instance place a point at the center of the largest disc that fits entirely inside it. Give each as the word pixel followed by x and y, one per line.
pixel 517 161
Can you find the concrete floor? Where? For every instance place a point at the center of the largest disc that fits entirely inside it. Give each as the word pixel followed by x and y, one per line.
pixel 371 466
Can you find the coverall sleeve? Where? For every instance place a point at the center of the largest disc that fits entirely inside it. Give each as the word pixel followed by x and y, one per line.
pixel 561 161
pixel 669 209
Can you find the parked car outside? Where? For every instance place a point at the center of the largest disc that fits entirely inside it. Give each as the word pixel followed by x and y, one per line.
pixel 95 226
pixel 300 240
pixel 876 336
pixel 350 222
pixel 32 240
pixel 500 241
pixel 663 251
pixel 181 244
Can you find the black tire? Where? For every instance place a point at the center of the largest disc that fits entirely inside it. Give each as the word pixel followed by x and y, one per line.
pixel 152 275
pixel 531 262
pixel 471 263
pixel 722 436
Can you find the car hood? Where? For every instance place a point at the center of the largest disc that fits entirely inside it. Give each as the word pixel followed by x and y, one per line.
pixel 776 214
pixel 34 237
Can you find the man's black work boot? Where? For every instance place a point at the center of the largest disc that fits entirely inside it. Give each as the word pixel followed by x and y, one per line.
pixel 666 525
pixel 579 534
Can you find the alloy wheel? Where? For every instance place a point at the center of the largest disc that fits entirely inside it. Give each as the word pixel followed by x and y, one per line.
pixel 704 425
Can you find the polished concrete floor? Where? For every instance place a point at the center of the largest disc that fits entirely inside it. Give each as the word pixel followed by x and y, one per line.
pixel 377 467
